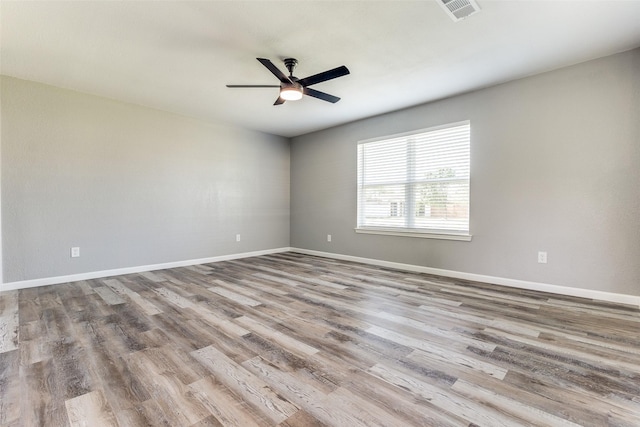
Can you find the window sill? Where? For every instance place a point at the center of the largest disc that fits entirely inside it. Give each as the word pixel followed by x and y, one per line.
pixel 419 234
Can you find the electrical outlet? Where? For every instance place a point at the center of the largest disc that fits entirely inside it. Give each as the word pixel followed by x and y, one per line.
pixel 542 257
pixel 237 237
pixel 75 252
pixel 328 237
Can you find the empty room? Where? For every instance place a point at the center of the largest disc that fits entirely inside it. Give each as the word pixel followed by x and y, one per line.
pixel 320 213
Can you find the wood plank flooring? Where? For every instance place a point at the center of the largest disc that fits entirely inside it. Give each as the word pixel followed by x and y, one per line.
pixel 295 340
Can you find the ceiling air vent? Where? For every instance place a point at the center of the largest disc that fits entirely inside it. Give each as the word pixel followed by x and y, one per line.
pixel 459 9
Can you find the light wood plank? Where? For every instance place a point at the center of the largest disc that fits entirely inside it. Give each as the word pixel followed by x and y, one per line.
pixel 276 336
pixel 146 305
pixel 233 296
pixel 108 295
pixel 443 355
pixel 174 298
pixel 90 410
pixel 415 342
pixel 250 387
pixel 9 325
pixel 225 408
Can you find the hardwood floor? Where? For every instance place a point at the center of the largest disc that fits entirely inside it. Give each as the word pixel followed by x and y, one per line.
pixel 295 340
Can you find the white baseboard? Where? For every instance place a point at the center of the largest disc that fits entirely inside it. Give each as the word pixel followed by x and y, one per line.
pixel 514 283
pixel 129 270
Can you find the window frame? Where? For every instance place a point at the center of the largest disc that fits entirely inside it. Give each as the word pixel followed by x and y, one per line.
pixel 409 199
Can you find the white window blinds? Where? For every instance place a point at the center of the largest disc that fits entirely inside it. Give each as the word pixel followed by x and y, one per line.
pixel 417 182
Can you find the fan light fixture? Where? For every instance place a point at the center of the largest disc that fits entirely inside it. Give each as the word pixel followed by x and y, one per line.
pixel 291 93
pixel 293 88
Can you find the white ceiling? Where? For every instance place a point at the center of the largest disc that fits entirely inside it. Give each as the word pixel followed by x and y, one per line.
pixel 178 55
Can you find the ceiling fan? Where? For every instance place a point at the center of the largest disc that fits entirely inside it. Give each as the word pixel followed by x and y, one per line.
pixel 292 88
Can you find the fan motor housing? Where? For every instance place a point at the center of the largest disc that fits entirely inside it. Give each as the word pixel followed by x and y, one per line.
pixel 290 63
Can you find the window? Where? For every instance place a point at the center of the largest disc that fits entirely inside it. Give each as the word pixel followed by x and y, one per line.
pixel 416 183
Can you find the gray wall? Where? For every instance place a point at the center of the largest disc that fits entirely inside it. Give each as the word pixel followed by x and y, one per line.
pixel 129 185
pixel 555 167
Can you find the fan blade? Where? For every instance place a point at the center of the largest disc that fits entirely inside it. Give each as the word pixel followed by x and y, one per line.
pixel 279 101
pixel 321 95
pixel 323 77
pixel 276 72
pixel 253 85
